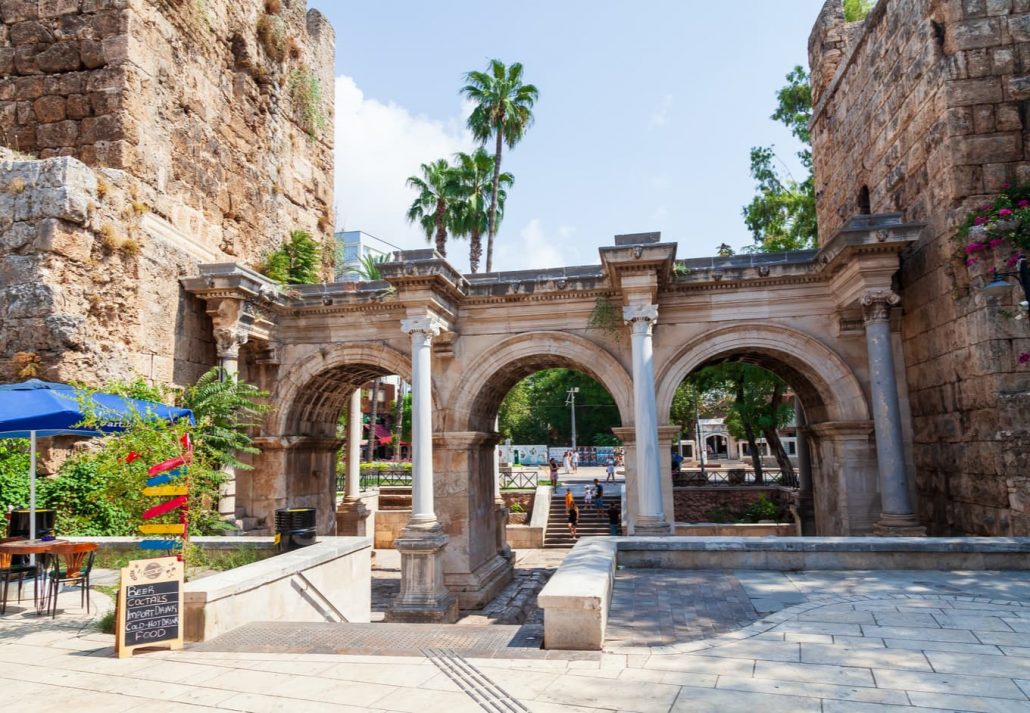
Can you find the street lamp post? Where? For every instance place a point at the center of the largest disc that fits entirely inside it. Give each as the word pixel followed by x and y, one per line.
pixel 571 402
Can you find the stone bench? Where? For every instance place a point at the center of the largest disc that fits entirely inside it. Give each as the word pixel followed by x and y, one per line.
pixel 576 599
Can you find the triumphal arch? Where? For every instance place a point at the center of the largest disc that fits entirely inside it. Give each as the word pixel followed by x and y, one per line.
pixel 821 319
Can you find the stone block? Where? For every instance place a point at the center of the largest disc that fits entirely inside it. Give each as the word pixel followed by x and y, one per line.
pixel 12 11
pixel 78 106
pixel 59 57
pixel 998 7
pixel 1003 60
pixel 987 149
pixel 62 133
pixel 65 239
pixel 101 128
pixel 981 32
pixel 55 8
pixel 1019 28
pixel 25 60
pixel 49 109
pixel 30 33
pixel 983 90
pixel 92 53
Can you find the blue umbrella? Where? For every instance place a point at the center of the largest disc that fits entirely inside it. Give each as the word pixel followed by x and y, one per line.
pixel 38 408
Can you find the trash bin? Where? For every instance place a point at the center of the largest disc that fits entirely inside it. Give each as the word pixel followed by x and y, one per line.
pixel 19 524
pixel 294 528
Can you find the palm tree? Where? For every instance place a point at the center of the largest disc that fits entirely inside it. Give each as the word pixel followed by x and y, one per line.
pixel 471 205
pixel 368 267
pixel 430 207
pixel 504 110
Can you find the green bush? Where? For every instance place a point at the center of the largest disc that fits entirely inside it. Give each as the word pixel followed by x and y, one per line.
pixel 761 509
pixel 14 473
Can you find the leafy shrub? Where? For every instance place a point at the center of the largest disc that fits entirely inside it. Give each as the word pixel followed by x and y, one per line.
pixel 297 262
pixel 271 34
pixel 14 473
pixel 761 509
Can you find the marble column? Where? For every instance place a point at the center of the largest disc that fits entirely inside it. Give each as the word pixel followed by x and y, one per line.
pixel 423 596
pixel 228 341
pixel 352 514
pixel 651 519
pixel 896 513
pixel 501 508
pixel 806 502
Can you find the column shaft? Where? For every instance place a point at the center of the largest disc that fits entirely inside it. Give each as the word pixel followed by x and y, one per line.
pixel 896 515
pixel 651 520
pixel 353 485
pixel 421 429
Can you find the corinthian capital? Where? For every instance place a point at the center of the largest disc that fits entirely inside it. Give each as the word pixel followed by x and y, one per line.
pixel 228 341
pixel 640 313
pixel 876 305
pixel 429 326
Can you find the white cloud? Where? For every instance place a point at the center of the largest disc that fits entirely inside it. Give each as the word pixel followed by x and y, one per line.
pixel 536 247
pixel 661 116
pixel 378 145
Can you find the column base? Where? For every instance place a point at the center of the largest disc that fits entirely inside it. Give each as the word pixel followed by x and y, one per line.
pixel 651 528
pixel 890 525
pixel 474 590
pixel 352 518
pixel 423 597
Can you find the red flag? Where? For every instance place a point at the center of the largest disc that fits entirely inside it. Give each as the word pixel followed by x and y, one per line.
pixel 167 465
pixel 133 455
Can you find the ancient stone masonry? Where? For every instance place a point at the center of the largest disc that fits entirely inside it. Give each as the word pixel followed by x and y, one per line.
pixel 205 130
pixel 922 108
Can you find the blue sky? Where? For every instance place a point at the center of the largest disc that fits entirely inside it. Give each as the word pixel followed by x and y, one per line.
pixel 646 114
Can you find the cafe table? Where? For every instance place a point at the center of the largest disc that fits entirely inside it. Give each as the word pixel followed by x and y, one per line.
pixel 34 547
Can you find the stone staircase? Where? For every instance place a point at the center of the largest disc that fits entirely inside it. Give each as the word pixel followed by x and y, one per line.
pixel 591 524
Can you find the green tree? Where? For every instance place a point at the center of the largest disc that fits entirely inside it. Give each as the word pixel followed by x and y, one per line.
pixel 14 473
pixel 535 410
pixel 430 208
pixel 503 110
pixel 856 10
pixel 368 267
pixel 782 215
pixel 472 202
pixel 226 410
pixel 297 262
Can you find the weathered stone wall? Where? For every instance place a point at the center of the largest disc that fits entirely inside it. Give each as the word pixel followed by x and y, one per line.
pixel 922 108
pixel 211 139
pixel 696 504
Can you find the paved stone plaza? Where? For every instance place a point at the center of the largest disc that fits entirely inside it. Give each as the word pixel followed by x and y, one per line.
pixel 828 642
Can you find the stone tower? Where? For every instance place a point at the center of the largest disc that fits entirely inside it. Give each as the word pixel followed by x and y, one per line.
pixel 922 108
pixel 146 137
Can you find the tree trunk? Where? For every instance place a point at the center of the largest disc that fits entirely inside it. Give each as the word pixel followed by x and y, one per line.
pixel 475 250
pixel 772 437
pixel 441 227
pixel 493 199
pixel 372 424
pixel 398 423
pixel 749 431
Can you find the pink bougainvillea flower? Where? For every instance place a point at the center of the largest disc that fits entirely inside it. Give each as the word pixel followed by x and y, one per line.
pixel 995 242
pixel 1005 212
pixel 1023 203
pixel 1013 259
pixel 979 220
pixel 971 261
pixel 1024 357
pixel 974 248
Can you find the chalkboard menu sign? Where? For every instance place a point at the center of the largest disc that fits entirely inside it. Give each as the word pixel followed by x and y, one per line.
pixel 150 605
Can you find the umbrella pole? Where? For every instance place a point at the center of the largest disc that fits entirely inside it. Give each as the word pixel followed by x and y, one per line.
pixel 32 491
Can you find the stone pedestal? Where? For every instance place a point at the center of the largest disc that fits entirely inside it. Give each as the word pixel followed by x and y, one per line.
pixel 352 518
pixel 423 596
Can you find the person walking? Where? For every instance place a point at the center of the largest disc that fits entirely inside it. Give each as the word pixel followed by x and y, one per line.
pixel 614 519
pixel 553 464
pixel 575 461
pixel 598 496
pixel 574 521
pixel 570 501
pixel 566 460
pixel 588 496
pixel 611 471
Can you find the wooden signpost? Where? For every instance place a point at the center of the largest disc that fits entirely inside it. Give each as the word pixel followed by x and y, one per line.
pixel 150 605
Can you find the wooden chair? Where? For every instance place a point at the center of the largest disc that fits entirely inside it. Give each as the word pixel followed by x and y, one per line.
pixel 10 569
pixel 70 565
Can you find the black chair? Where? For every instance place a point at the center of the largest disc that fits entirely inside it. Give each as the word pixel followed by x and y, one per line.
pixel 70 565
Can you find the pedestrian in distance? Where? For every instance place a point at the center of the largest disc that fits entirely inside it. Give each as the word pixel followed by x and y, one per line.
pixel 614 519
pixel 574 521
pixel 598 496
pixel 566 460
pixel 611 471
pixel 553 464
pixel 575 461
pixel 588 496
pixel 570 501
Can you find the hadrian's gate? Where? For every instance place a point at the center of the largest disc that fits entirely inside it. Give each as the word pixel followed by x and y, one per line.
pixel 819 319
